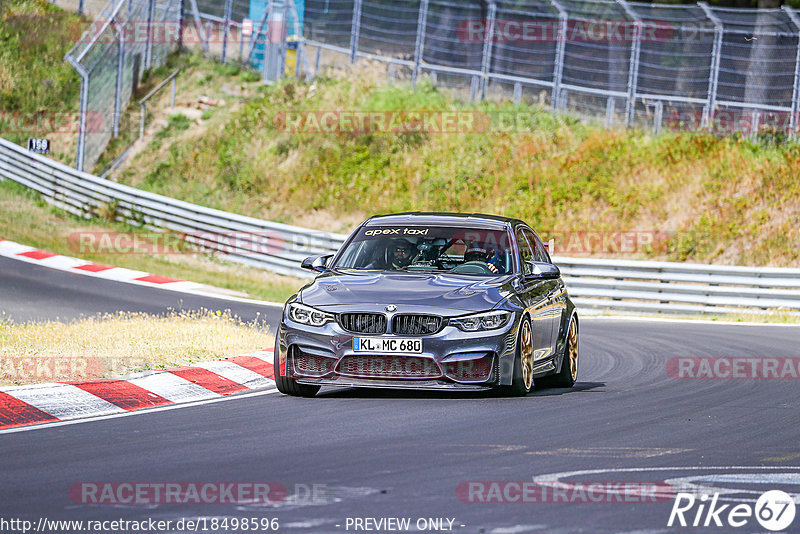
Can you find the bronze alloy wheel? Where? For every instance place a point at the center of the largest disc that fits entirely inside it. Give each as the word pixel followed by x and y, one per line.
pixel 526 354
pixel 573 350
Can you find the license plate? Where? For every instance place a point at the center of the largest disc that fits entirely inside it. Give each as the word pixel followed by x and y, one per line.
pixel 387 345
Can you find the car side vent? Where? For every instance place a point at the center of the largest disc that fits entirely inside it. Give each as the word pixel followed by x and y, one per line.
pixel 363 323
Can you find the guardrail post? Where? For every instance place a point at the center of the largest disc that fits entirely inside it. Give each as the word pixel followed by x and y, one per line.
pixel 796 87
pixel 488 45
pixel 517 93
pixel 561 44
pixel 713 76
pixel 355 30
pixel 419 46
pixel 148 52
pixel 633 69
pixel 226 30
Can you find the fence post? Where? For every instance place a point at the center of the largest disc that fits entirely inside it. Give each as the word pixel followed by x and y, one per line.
pixel 713 76
pixel 796 87
pixel 226 30
pixel 148 52
pixel 561 44
pixel 181 22
pixel 419 46
pixel 756 124
pixel 488 45
pixel 355 30
pixel 659 115
pixel 84 74
pixel 611 104
pixel 80 8
pixel 118 85
pixel 633 70
pixel 268 51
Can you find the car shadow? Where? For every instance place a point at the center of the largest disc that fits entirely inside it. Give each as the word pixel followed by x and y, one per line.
pixel 579 387
pixel 389 393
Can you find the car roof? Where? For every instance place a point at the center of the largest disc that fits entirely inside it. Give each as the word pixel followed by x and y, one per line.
pixel 438 218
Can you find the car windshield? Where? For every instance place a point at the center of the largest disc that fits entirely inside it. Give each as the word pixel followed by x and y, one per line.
pixel 476 251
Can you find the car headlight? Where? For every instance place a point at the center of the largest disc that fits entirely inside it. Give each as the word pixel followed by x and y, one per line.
pixel 303 314
pixel 481 321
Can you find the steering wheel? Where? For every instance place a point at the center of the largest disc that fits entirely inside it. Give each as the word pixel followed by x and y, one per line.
pixel 472 267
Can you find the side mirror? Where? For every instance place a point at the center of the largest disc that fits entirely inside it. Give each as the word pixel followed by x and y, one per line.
pixel 546 271
pixel 316 263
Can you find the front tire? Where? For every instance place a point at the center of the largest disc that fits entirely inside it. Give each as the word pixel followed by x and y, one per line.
pixel 568 374
pixel 286 385
pixel 522 381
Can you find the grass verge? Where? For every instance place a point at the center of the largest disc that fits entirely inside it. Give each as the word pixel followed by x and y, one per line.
pixel 710 199
pixel 113 345
pixel 27 219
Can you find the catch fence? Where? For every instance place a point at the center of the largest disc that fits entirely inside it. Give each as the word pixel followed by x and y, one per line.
pixel 658 66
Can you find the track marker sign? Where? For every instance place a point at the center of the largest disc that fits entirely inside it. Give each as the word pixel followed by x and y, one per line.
pixel 40 146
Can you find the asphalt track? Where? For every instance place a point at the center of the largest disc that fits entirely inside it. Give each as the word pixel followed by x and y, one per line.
pixel 383 454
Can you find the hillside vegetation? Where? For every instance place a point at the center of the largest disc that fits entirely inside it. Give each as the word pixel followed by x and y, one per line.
pixel 229 144
pixel 704 198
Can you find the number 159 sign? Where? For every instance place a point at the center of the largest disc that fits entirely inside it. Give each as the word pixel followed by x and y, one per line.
pixel 41 146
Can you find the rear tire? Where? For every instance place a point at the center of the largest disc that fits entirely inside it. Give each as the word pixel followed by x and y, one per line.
pixel 522 381
pixel 286 385
pixel 568 374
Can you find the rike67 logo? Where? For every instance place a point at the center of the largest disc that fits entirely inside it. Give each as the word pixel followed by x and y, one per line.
pixel 774 510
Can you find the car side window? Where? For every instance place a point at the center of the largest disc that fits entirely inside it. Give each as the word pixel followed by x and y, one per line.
pixel 525 250
pixel 539 252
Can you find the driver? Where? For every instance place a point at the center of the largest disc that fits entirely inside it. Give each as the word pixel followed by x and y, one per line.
pixel 400 254
pixel 476 253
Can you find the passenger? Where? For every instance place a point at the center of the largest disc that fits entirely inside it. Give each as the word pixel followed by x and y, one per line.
pixel 476 253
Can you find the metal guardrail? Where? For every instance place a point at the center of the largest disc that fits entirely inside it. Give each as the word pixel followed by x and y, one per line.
pixel 647 286
pixel 619 285
pixel 274 246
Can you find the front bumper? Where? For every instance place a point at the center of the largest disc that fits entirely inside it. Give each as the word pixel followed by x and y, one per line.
pixel 450 359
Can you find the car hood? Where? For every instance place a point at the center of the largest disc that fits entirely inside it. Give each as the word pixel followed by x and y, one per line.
pixel 460 293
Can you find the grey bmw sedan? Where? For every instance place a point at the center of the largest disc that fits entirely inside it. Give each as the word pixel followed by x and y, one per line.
pixel 431 301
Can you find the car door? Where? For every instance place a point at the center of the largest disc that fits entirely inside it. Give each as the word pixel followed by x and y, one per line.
pixel 533 293
pixel 555 295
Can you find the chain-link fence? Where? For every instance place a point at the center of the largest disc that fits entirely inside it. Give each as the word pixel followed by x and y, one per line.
pixel 680 67
pixel 127 38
